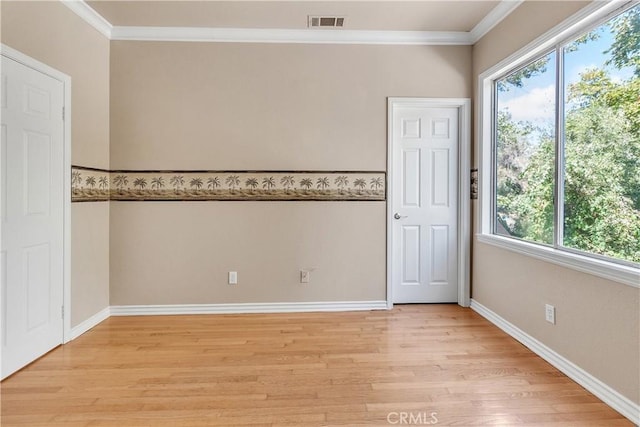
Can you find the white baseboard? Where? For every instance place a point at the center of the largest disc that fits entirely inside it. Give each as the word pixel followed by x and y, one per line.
pixel 278 307
pixel 617 401
pixel 92 321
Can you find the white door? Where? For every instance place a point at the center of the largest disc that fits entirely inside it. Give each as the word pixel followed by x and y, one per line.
pixel 424 206
pixel 32 161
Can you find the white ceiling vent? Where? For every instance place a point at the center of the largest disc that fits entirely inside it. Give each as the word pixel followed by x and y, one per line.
pixel 326 21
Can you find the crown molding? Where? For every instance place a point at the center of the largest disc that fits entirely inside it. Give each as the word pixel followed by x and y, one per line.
pixel 248 35
pixel 90 16
pixel 493 18
pixel 258 35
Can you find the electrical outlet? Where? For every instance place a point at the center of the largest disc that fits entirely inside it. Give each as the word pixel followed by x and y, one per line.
pixel 233 277
pixel 550 313
pixel 305 276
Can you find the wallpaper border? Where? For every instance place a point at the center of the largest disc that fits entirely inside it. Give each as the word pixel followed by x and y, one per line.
pixel 474 184
pixel 95 185
pixel 90 184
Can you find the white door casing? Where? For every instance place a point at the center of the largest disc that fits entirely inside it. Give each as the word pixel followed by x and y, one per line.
pixel 34 207
pixel 427 207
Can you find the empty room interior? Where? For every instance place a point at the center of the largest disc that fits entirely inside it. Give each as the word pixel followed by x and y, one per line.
pixel 314 213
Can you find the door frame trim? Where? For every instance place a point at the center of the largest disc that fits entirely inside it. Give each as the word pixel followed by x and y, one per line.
pixel 464 183
pixel 66 251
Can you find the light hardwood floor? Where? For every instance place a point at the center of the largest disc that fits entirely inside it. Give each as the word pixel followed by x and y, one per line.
pixel 306 369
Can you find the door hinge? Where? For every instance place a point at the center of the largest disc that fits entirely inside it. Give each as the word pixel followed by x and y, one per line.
pixel 62 311
pixel 63 113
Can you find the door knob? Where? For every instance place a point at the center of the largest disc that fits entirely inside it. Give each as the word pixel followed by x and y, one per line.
pixel 398 216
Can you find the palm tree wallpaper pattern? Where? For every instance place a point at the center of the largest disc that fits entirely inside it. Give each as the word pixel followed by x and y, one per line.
pixel 92 185
pixel 100 185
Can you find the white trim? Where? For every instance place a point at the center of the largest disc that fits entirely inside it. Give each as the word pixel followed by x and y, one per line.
pixel 608 395
pixel 464 182
pixel 90 16
pixel 92 321
pixel 493 18
pixel 587 16
pixel 240 308
pixel 601 268
pixel 66 81
pixel 464 205
pixel 389 210
pixel 30 62
pixel 485 143
pixel 258 35
pixel 67 208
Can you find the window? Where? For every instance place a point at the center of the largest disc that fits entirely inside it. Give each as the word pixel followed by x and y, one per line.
pixel 565 132
pixel 525 151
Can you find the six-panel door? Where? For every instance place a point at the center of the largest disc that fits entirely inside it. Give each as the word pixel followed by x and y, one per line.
pixel 424 204
pixel 32 177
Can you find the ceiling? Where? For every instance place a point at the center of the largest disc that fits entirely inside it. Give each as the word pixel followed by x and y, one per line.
pixel 426 15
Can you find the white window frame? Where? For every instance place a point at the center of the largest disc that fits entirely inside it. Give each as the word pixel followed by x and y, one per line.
pixel 581 21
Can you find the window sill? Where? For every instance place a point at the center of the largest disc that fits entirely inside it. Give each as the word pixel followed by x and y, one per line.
pixel 607 270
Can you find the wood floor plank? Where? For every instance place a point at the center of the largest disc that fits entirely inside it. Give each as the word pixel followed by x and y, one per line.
pixel 302 369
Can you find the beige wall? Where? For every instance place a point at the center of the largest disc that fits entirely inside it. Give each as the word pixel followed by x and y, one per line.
pixel 89 259
pixel 51 33
pixel 267 106
pixel 259 107
pixel 598 324
pixel 180 252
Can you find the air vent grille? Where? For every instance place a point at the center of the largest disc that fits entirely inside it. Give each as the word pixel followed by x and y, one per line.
pixel 326 21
